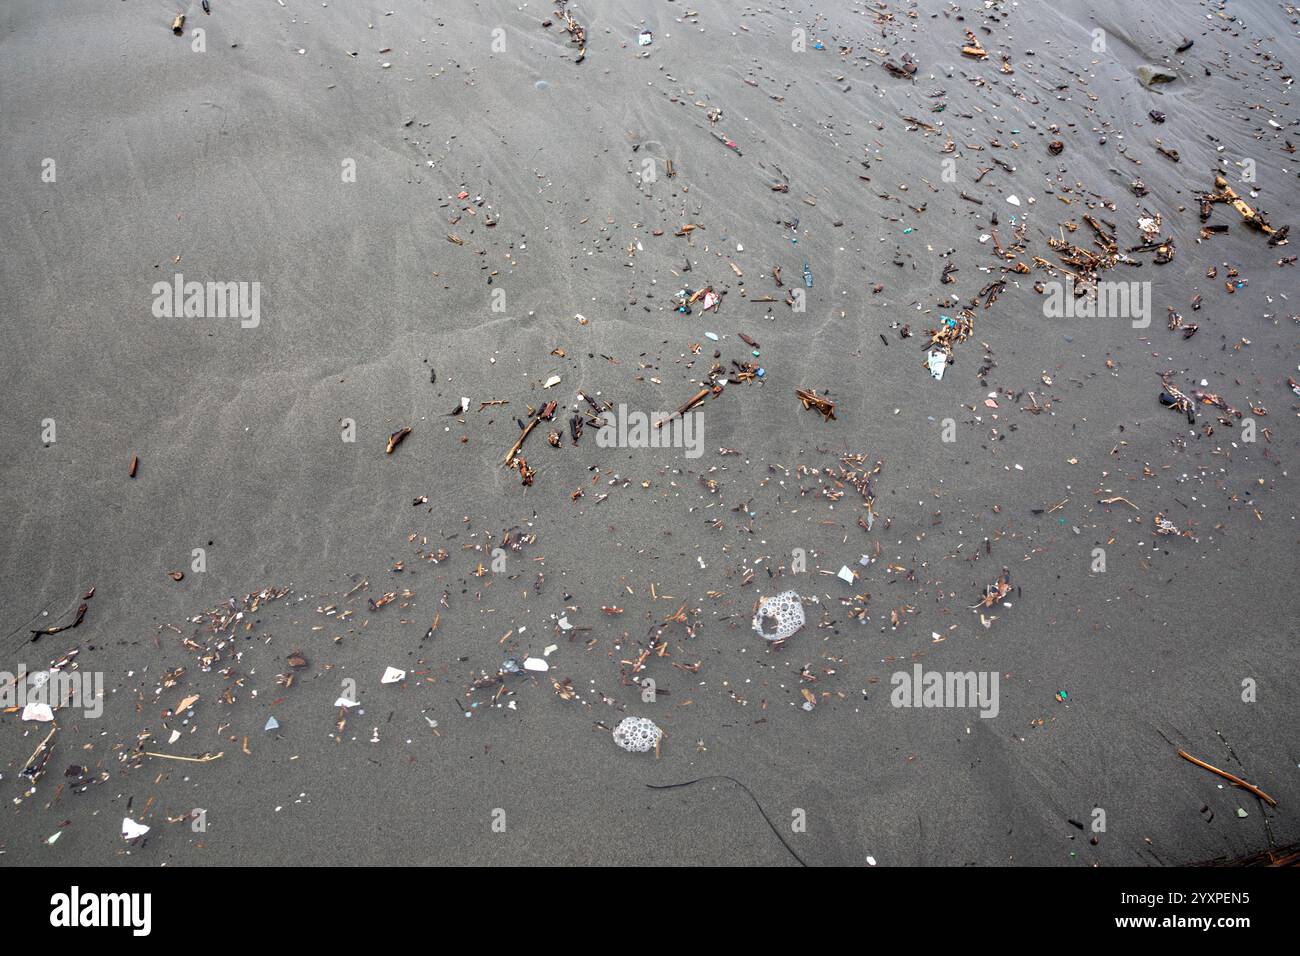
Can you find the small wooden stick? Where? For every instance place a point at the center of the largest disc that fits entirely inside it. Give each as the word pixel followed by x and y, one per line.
pixel 37 752
pixel 1230 778
pixel 699 396
pixel 207 758
pixel 510 455
pixel 1111 501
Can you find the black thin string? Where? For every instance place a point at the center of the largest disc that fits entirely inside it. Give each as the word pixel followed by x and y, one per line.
pixel 27 626
pixel 779 836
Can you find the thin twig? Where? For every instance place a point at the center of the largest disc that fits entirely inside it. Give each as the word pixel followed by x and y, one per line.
pixel 1111 501
pixel 206 758
pixel 40 747
pixel 1229 777
pixel 510 455
pixel 698 397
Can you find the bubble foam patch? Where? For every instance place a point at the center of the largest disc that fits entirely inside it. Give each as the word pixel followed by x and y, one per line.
pixel 779 617
pixel 637 734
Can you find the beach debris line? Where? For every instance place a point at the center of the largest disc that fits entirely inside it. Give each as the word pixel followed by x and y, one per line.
pixel 224 643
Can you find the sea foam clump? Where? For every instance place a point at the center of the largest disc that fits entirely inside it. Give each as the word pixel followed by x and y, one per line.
pixel 637 735
pixel 779 617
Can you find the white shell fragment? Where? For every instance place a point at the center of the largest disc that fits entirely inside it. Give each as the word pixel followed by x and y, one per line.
pixel 131 830
pixel 37 711
pixel 637 735
pixel 779 617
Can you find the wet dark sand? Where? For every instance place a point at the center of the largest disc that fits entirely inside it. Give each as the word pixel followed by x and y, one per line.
pixel 226 165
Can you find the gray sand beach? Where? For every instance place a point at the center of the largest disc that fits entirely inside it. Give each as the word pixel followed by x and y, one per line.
pixel 426 202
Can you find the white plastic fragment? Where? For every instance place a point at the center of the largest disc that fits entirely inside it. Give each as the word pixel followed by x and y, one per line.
pixel 392 676
pixel 938 363
pixel 782 614
pixel 344 702
pixel 552 381
pixel 131 830
pixel 536 664
pixel 846 574
pixel 271 724
pixel 637 734
pixel 35 711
